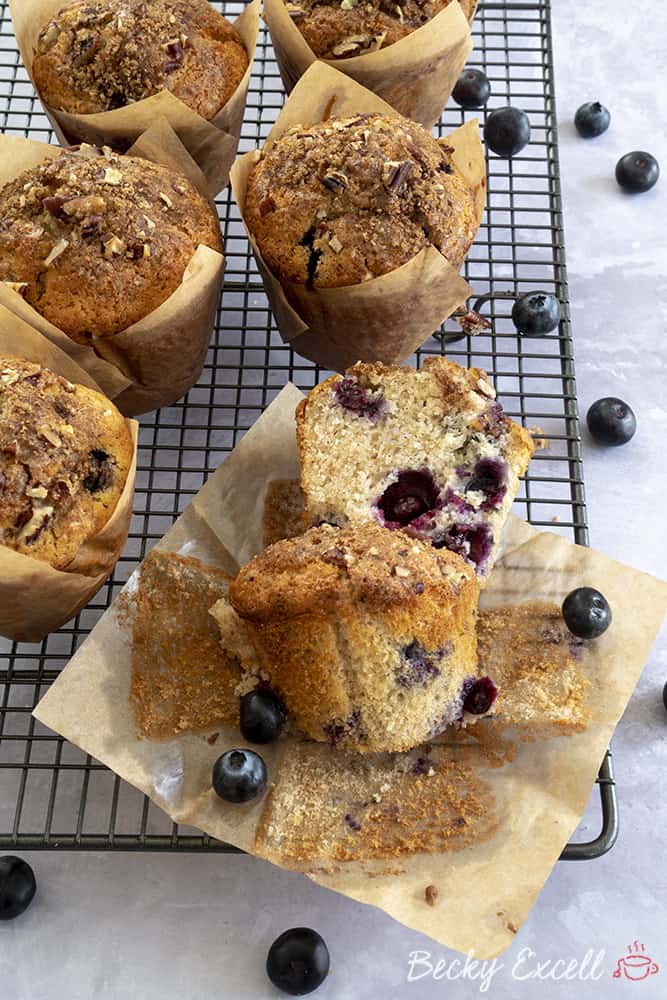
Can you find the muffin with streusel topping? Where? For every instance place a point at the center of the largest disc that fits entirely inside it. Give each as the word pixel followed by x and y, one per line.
pixel 98 55
pixel 95 241
pixel 348 199
pixel 340 29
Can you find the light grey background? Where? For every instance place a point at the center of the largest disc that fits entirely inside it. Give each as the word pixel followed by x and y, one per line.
pixel 115 926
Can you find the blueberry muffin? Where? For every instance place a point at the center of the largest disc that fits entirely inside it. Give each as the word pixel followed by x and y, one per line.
pixel 350 199
pixel 65 455
pixel 96 241
pixel 339 29
pixel 98 55
pixel 367 636
pixel 427 452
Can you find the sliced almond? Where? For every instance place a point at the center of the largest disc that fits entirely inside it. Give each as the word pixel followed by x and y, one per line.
pixel 56 251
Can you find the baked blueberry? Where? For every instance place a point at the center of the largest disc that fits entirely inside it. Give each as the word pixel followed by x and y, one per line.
pixel 637 171
pixel 419 666
pixel 472 541
pixel 262 716
pixel 358 398
pixel 239 776
pixel 507 131
pixel 591 119
pixel 536 314
pixel 586 613
pixel 414 493
pixel 472 89
pixel 298 961
pixel 611 421
pixel 479 694
pixel 489 477
pixel 17 886
pixel 99 475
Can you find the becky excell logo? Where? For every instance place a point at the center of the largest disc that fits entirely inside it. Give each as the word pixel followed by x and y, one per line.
pixel 636 964
pixel 527 965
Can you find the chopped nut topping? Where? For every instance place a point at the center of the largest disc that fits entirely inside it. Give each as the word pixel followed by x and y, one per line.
pixel 49 436
pixel 37 523
pixel 59 248
pixel 348 4
pixel 430 892
pixel 50 35
pixel 349 45
pixel 335 244
pixel 334 181
pixel 373 551
pixel 113 247
pixel 112 176
pixel 88 205
pixel 399 12
pixel 395 174
pixel 486 388
pixel 37 492
pixel 401 571
pixel 294 11
pixel 378 42
pixel 166 199
pixel 149 222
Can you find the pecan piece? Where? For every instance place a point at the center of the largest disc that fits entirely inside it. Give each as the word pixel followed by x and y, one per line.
pixel 334 181
pixel 395 175
pixel 266 205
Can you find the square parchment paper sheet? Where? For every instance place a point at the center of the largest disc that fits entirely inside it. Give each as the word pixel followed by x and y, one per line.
pixel 540 796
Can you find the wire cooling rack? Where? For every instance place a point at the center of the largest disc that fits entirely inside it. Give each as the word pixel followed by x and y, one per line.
pixel 54 796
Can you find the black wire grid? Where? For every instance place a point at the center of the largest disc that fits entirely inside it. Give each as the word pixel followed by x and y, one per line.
pixel 54 796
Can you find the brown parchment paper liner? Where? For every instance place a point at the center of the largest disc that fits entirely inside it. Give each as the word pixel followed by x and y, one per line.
pixel 485 890
pixel 211 144
pixel 415 75
pixel 36 599
pixel 155 361
pixel 384 319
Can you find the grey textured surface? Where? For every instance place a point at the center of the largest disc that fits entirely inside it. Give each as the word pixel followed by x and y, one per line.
pixel 177 926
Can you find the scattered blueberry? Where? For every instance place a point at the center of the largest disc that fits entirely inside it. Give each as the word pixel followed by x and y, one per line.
pixel 507 131
pixel 298 961
pixel 262 716
pixel 536 314
pixel 17 886
pixel 489 477
pixel 419 666
pixel 664 696
pixel 637 171
pixel 472 89
pixel 414 492
pixel 479 694
pixel 586 613
pixel 239 775
pixel 591 119
pixel 359 399
pixel 611 421
pixel 472 541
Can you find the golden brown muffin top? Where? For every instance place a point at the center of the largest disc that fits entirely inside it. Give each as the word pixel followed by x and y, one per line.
pixel 117 230
pixel 65 452
pixel 330 566
pixel 97 55
pixel 339 29
pixel 348 199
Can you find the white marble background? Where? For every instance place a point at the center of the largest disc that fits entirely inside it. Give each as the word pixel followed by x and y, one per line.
pixel 147 926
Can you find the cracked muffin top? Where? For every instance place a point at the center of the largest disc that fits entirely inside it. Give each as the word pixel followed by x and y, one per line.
pixel 118 230
pixel 349 199
pixel 65 454
pixel 339 29
pixel 98 55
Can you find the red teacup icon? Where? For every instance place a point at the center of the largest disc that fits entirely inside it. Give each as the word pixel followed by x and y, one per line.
pixel 635 965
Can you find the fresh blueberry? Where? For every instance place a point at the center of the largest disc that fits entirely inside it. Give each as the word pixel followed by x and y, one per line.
pixel 239 775
pixel 507 131
pixel 536 314
pixel 586 613
pixel 472 89
pixel 17 886
pixel 414 492
pixel 591 119
pixel 637 171
pixel 262 716
pixel 479 694
pixel 611 421
pixel 298 961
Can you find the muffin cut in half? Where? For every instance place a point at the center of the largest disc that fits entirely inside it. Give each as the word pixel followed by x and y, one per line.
pixel 349 199
pixel 339 29
pixel 99 55
pixel 367 636
pixel 65 455
pixel 427 451
pixel 96 241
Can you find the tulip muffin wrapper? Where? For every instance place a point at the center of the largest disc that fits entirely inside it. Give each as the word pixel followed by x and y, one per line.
pixel 540 792
pixel 212 144
pixel 415 75
pixel 388 317
pixel 35 598
pixel 156 360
